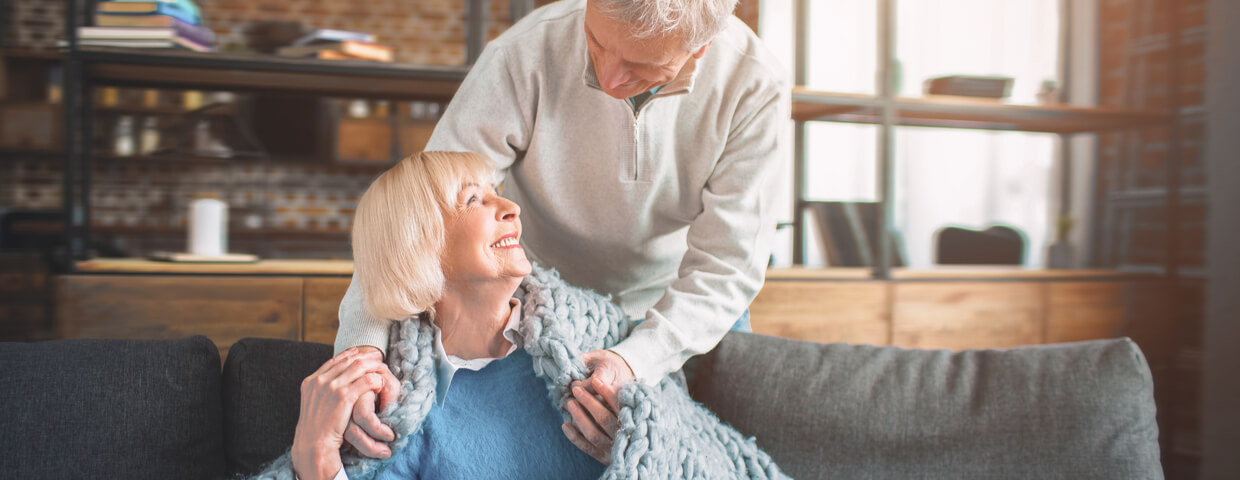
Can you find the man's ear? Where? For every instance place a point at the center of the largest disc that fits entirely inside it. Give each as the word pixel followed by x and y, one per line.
pixel 702 51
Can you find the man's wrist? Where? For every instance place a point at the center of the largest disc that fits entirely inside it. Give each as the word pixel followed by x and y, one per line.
pixel 623 360
pixel 369 348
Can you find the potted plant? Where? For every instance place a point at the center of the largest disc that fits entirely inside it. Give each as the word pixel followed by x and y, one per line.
pixel 1059 254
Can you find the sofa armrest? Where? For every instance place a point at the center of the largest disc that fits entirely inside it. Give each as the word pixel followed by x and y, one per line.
pixel 1079 410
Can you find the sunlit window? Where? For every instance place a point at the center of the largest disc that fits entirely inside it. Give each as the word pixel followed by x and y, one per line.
pixel 943 177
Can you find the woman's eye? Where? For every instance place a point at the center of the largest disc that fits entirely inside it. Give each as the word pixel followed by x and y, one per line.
pixel 471 199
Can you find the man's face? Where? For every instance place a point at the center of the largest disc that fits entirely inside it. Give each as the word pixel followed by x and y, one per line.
pixel 626 66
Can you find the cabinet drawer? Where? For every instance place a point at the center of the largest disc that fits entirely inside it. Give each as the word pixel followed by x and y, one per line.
pixel 323 297
pixel 159 307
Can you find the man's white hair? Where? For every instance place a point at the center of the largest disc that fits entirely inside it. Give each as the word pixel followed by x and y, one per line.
pixel 697 21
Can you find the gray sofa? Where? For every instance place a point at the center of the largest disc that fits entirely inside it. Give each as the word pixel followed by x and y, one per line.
pixel 165 409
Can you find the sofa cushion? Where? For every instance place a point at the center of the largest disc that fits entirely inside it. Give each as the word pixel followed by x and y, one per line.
pixel 1082 410
pixel 111 409
pixel 262 396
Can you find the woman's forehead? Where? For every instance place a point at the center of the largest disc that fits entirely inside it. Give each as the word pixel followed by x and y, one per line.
pixel 479 183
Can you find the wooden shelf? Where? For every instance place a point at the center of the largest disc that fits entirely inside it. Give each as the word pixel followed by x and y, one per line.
pixel 345 267
pixel 813 105
pixel 16 153
pixel 950 273
pixel 214 111
pixel 261 267
pixel 31 54
pixel 239 232
pixel 254 72
pixel 55 228
pixel 963 112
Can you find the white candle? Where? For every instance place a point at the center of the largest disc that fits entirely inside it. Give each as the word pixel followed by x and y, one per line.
pixel 208 227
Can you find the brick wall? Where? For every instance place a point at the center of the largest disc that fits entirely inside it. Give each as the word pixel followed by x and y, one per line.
pixel 424 31
pixel 1136 68
pixel 1134 72
pixel 138 205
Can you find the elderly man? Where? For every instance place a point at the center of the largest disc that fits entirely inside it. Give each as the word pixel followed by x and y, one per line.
pixel 640 138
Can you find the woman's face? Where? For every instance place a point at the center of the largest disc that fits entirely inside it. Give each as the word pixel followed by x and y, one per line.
pixel 481 237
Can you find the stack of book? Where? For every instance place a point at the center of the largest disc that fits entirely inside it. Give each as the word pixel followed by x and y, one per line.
pixel 148 24
pixel 334 44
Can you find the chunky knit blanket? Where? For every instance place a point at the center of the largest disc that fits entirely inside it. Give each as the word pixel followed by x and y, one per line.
pixel 663 433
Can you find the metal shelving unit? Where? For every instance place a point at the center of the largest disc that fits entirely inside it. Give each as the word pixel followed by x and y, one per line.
pixel 88 67
pixel 888 111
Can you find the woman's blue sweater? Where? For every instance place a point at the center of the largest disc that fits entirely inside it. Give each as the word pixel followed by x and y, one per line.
pixel 495 423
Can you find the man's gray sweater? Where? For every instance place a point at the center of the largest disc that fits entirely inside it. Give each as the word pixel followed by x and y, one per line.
pixel 668 206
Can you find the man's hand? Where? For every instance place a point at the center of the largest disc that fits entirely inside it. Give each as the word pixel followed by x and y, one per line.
pixel 365 432
pixel 608 368
pixel 594 405
pixel 327 398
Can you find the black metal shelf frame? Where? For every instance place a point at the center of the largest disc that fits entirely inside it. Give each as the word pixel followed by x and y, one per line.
pixel 88 67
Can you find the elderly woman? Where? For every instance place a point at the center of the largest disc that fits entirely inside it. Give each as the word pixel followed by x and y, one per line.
pixel 487 355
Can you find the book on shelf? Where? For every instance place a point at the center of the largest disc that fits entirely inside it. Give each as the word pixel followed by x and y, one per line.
pixel 175 42
pixel 969 86
pixel 347 50
pixel 331 35
pixel 175 28
pixel 176 10
pixel 146 37
pixel 187 5
pixel 849 234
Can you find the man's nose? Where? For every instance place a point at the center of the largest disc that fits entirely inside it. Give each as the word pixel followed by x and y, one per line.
pixel 614 76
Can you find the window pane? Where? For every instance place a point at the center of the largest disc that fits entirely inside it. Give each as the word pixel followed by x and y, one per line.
pixel 842 46
pixel 1011 38
pixel 841 162
pixel 973 179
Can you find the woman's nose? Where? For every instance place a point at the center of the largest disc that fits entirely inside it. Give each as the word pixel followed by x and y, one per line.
pixel 508 210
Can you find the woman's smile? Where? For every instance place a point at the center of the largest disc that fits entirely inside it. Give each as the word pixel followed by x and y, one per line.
pixel 507 241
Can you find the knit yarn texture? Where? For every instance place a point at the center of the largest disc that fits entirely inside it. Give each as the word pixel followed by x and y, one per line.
pixel 663 433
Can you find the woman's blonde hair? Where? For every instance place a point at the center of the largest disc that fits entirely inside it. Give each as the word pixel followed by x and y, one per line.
pixel 398 230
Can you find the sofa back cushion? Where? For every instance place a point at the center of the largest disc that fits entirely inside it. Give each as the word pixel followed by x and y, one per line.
pixel 77 409
pixel 1082 410
pixel 262 396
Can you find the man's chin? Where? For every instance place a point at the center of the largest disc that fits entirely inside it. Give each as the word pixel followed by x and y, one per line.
pixel 615 95
pixel 621 94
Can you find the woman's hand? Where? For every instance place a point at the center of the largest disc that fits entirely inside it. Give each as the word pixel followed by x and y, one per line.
pixel 366 433
pixel 327 400
pixel 594 424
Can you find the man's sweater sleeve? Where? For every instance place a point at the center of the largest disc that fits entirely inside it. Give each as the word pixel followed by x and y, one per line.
pixel 357 327
pixel 729 246
pixel 488 92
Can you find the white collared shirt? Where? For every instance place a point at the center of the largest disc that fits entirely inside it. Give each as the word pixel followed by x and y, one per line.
pixel 447 365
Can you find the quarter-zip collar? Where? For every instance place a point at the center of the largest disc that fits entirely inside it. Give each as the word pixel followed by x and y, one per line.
pixel 682 83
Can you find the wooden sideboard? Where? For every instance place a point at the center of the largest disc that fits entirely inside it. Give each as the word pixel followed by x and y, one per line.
pixel 955 308
pixel 961 308
pixel 224 308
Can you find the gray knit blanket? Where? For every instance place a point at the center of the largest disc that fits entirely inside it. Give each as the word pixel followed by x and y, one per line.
pixel 663 433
